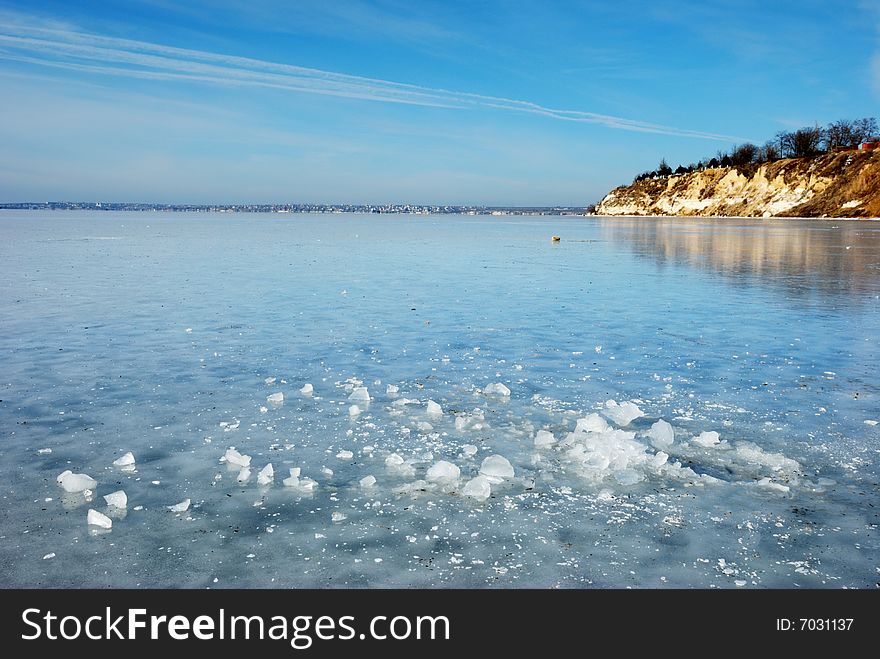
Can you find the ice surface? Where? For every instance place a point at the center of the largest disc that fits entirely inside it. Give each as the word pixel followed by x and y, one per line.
pixel 496 468
pixel 497 389
pixel 479 487
pixel 367 481
pixel 544 438
pixel 275 398
pixel 117 499
pixel 266 475
pixel 94 518
pixel 235 458
pixel 591 423
pixel 603 506
pixel 706 439
pixel 181 507
pixel 126 460
pixel 434 410
pixel 662 435
pixel 442 471
pixel 307 389
pixel 622 413
pixel 76 482
pixel 360 395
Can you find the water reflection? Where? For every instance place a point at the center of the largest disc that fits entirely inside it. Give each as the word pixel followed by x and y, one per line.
pixel 830 259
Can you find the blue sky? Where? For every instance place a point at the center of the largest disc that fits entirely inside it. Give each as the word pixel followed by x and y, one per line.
pixel 485 102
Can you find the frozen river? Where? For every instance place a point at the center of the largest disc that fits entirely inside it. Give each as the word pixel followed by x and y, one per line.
pixel 433 344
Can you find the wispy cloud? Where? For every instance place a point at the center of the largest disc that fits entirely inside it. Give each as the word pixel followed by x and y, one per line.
pixel 73 50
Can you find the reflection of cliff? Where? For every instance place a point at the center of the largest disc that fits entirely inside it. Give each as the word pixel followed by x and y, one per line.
pixel 834 185
pixel 802 256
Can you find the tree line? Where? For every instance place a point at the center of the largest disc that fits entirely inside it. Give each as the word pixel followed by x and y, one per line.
pixel 801 143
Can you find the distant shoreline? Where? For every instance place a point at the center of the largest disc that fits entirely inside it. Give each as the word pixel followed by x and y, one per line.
pixel 375 209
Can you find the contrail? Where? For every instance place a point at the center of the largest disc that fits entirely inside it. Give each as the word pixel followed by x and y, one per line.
pixel 91 53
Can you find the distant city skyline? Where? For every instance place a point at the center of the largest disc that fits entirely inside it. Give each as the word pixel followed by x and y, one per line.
pixel 509 104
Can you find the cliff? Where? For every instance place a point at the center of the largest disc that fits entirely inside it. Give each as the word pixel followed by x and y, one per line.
pixel 843 184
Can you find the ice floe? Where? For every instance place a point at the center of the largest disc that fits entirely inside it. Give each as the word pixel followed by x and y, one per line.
pixel 117 499
pixel 73 483
pixel 497 389
pixel 100 520
pixel 622 414
pixel 181 507
pixel 442 472
pixel 266 475
pixel 496 468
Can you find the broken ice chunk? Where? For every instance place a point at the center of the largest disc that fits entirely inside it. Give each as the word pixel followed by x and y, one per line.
pixel 354 411
pixel 661 434
pixel 622 413
pixel 266 475
pixel 442 472
pixel 498 389
pixel 76 482
pixel 47 451
pixel 496 468
pixel 360 395
pixel 100 520
pixel 434 409
pixel 244 475
pixel 706 439
pixel 126 460
pixel 275 398
pixel 345 455
pixel 293 479
pixel 307 389
pixel 307 484
pixel 117 499
pixel 591 423
pixel 394 460
pixel 771 486
pixel 424 426
pixel 469 450
pixel 479 488
pixel 544 438
pixel 367 481
pixel 269 380
pixel 233 457
pixel 392 390
pixel 628 476
pixel 337 516
pixel 181 507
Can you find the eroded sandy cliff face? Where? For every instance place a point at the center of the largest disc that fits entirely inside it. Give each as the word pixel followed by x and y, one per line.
pixel 834 185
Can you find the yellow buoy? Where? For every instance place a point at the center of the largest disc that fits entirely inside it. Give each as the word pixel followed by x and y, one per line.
pixel 556 239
